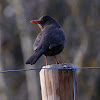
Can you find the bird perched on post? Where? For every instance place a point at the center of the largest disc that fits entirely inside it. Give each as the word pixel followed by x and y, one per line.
pixel 49 42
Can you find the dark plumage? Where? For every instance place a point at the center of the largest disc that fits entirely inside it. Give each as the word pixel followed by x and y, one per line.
pixel 50 41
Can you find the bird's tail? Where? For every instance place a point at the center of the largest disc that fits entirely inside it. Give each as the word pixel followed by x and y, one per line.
pixel 32 60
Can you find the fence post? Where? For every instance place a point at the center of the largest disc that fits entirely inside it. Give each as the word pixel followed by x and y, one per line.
pixel 57 84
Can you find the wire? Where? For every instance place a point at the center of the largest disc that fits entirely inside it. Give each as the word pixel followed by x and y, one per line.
pixel 74 83
pixel 18 70
pixel 88 68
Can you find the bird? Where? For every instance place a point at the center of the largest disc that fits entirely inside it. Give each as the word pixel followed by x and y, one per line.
pixel 50 41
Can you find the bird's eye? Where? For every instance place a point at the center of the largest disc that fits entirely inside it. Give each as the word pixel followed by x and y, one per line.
pixel 44 20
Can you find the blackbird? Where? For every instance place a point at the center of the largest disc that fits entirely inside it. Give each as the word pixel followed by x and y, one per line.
pixel 50 41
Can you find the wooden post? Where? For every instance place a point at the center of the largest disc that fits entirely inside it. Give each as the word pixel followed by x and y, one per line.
pixel 57 84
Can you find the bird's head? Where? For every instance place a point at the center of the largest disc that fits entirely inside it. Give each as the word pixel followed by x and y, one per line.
pixel 44 21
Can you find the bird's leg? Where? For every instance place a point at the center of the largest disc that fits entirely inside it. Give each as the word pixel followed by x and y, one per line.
pixel 46 60
pixel 56 60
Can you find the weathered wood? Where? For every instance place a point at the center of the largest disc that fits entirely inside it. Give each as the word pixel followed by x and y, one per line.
pixel 57 84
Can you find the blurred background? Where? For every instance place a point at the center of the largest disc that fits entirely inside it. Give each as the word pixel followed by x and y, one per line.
pixel 80 20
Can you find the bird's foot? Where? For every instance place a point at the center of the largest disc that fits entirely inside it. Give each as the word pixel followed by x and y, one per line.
pixel 57 62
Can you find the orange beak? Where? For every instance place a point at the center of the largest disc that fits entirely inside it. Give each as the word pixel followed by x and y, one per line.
pixel 35 21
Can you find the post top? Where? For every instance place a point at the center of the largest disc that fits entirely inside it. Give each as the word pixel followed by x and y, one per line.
pixel 60 66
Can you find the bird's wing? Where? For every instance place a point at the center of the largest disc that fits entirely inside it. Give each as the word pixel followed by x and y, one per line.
pixel 37 41
pixel 49 38
pixel 57 38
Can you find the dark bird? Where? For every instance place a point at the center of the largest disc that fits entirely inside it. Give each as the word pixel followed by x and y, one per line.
pixel 50 41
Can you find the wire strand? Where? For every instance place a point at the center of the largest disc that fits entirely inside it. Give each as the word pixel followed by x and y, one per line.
pixel 18 70
pixel 74 83
pixel 88 68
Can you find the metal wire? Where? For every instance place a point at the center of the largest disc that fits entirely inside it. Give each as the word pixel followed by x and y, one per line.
pixel 18 70
pixel 88 68
pixel 74 83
